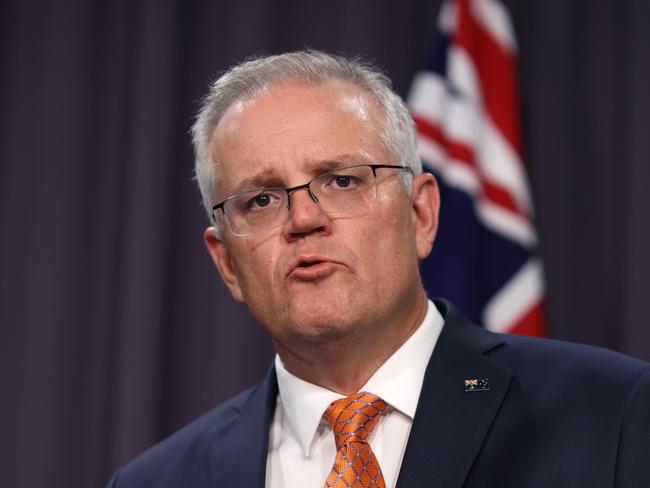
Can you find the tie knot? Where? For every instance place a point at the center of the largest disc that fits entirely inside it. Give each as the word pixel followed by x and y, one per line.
pixel 354 417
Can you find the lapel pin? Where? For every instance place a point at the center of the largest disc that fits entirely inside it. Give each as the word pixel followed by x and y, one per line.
pixel 477 384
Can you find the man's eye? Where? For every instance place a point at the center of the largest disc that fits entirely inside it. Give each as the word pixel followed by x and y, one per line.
pixel 259 201
pixel 344 182
pixel 262 200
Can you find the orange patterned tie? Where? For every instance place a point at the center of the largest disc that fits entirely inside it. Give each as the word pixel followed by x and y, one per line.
pixel 353 419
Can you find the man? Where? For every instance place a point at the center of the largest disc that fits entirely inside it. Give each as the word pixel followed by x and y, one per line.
pixel 309 170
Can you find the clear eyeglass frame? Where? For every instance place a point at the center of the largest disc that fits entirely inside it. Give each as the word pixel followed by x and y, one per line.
pixel 346 191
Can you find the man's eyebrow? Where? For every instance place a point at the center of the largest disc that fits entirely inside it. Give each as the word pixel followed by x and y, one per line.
pixel 340 161
pixel 266 178
pixel 269 178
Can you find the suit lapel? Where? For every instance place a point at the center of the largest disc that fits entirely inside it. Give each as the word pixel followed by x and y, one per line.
pixel 238 454
pixel 451 424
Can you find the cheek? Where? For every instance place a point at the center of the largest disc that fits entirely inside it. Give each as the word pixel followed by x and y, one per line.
pixel 394 245
pixel 256 267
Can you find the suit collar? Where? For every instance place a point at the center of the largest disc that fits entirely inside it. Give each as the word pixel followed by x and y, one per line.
pixel 398 382
pixel 448 430
pixel 451 424
pixel 239 450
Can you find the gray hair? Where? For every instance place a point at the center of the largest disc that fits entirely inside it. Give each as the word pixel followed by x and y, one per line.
pixel 312 68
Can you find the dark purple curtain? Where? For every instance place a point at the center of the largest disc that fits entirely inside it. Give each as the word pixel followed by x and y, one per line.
pixel 116 329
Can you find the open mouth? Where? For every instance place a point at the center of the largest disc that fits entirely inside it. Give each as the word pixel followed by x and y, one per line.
pixel 313 268
pixel 309 263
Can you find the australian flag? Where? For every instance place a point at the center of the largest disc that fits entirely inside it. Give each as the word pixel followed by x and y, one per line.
pixel 465 105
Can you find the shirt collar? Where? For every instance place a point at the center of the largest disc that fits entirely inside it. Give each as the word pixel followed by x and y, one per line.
pixel 398 382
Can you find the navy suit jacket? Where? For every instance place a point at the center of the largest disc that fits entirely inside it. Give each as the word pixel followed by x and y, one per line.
pixel 555 415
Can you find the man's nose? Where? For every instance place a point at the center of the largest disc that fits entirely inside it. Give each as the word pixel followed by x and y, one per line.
pixel 305 215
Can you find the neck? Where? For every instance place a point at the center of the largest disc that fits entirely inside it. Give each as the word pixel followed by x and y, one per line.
pixel 345 364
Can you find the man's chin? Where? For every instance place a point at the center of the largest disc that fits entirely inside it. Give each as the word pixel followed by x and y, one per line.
pixel 319 323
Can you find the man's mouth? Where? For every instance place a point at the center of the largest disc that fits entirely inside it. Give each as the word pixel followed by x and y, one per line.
pixel 310 262
pixel 309 268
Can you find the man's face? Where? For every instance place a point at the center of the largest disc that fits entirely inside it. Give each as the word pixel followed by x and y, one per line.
pixel 317 277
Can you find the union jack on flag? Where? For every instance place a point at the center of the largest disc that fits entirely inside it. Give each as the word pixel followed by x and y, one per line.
pixel 465 106
pixel 482 384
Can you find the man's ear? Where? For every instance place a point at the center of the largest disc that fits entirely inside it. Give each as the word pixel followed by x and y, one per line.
pixel 223 261
pixel 425 201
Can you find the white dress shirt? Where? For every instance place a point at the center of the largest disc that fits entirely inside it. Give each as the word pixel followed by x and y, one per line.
pixel 301 443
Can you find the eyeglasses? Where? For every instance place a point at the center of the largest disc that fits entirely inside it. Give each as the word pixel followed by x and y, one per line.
pixel 346 192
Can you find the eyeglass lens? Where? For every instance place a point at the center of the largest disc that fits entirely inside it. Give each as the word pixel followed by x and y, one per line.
pixel 349 190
